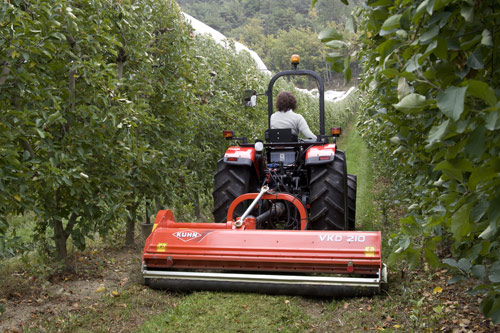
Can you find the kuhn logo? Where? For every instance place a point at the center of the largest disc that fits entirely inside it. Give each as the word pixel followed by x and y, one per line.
pixel 186 235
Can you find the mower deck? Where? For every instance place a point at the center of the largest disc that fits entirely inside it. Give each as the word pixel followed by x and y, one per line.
pixel 222 256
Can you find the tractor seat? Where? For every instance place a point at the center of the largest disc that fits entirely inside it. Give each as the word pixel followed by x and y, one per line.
pixel 281 135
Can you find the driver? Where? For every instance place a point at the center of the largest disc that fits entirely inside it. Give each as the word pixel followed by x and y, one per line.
pixel 286 118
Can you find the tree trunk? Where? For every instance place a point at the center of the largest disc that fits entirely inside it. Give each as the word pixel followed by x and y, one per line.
pixel 147 217
pixel 60 240
pixel 130 232
pixel 120 70
pixel 120 62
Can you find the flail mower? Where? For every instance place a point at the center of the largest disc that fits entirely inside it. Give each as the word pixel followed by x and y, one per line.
pixel 284 214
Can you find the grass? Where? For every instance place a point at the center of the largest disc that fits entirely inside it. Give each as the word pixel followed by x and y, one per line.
pixel 231 312
pixel 18 238
pixel 359 164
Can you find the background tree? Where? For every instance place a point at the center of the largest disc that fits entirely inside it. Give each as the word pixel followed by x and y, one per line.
pixel 432 112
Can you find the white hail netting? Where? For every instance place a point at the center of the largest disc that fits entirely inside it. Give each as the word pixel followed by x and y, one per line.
pixel 201 28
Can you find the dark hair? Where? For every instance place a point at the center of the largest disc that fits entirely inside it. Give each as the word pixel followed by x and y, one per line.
pixel 286 101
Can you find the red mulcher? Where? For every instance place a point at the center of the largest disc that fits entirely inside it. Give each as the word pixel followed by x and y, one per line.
pixel 284 213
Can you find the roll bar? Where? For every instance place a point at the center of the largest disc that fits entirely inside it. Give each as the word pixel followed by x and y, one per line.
pixel 295 72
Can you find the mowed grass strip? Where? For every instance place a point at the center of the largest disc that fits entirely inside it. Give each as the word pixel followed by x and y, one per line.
pixel 359 164
pixel 231 312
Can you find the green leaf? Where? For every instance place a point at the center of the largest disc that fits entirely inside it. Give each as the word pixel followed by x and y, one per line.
pixel 460 225
pixel 430 48
pixel 413 256
pixel 480 175
pixel 475 60
pixel 391 23
pixel 329 34
pixel 479 271
pixel 350 24
pixel 481 90
pixel 41 133
pixel 429 34
pixel 450 262
pixel 403 88
pixel 489 232
pixel 413 63
pixel 494 210
pixel 396 140
pixel 467 12
pixel 441 51
pixel 390 73
pixel 470 42
pixel 491 120
pixel 494 275
pixel 411 103
pixel 431 257
pixel 440 4
pixel 387 47
pixel 420 11
pixel 478 211
pixel 451 101
pixel 53 117
pixel 495 314
pixel 464 264
pixel 476 143
pixel 336 44
pixel 486 38
pixel 459 164
pixel 490 307
pixel 333 57
pixel 437 132
pixel 338 65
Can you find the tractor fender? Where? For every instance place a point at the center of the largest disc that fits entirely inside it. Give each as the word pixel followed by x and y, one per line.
pixel 320 154
pixel 237 155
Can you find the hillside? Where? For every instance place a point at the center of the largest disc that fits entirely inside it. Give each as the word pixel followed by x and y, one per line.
pixel 277 29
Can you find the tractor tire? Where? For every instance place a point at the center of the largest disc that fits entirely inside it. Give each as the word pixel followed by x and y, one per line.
pixel 328 199
pixel 231 181
pixel 351 200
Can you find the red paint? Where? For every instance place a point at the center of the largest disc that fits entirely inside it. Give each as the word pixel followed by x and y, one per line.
pixel 241 152
pixel 321 151
pixel 223 246
pixel 267 196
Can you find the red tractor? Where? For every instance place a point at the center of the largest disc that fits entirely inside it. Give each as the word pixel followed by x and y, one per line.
pixel 284 222
pixel 314 173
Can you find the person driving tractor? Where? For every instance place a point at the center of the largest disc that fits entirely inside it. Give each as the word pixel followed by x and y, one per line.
pixel 285 117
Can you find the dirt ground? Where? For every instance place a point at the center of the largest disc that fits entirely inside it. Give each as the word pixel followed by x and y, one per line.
pixel 97 274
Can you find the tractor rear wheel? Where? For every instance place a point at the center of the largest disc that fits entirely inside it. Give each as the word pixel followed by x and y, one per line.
pixel 351 200
pixel 328 200
pixel 231 181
